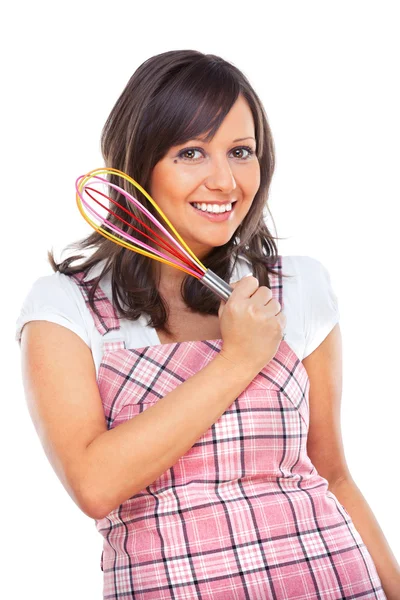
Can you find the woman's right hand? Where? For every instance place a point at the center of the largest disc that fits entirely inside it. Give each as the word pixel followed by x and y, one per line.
pixel 251 324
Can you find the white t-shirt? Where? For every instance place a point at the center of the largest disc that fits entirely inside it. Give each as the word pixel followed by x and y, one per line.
pixel 309 303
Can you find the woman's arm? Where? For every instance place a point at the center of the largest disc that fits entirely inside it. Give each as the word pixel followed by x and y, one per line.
pixel 325 449
pixel 348 494
pixel 102 468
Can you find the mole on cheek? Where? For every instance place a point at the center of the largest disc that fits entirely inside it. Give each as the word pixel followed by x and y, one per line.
pixel 175 161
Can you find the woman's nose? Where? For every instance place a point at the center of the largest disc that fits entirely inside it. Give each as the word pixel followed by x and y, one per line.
pixel 220 175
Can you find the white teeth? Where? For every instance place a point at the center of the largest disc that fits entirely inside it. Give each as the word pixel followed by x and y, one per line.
pixel 213 208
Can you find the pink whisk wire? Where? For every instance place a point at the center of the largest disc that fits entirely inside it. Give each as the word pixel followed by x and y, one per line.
pixel 161 242
pixel 190 264
pixel 196 273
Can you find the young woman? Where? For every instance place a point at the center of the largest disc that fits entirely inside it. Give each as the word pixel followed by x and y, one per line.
pixel 206 447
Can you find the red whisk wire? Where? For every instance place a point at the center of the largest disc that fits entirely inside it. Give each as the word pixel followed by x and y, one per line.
pixel 161 242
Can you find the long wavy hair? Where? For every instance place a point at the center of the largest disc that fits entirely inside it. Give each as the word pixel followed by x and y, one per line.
pixel 171 98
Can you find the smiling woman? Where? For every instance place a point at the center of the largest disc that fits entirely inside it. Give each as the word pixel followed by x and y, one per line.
pixel 177 421
pixel 182 153
pixel 217 177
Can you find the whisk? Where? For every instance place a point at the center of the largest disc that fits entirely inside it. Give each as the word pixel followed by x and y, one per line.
pixel 184 259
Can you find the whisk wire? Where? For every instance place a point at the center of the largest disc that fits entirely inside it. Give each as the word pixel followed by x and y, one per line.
pixel 191 264
pixel 120 242
pixel 158 209
pixel 133 200
pixel 161 242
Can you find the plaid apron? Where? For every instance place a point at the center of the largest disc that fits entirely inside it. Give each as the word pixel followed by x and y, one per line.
pixel 244 513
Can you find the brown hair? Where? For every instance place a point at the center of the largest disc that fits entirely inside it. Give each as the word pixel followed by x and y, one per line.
pixel 171 98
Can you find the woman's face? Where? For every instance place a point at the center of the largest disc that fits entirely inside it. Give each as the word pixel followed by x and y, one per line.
pixel 222 171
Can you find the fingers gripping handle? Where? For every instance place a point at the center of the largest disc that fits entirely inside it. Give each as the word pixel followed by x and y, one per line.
pixel 219 286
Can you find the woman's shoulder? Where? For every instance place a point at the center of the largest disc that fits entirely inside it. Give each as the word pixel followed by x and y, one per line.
pixel 54 298
pixel 317 297
pixel 54 288
pixel 301 264
pixel 293 265
pixel 311 279
pixel 308 270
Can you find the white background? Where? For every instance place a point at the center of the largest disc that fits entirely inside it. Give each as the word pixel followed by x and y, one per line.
pixel 327 73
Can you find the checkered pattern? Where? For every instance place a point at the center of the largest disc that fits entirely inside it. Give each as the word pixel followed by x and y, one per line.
pixel 244 513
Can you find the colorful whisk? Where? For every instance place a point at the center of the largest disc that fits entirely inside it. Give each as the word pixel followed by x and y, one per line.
pixel 184 259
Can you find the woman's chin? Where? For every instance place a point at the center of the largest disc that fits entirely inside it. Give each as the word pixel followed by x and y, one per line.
pixel 204 246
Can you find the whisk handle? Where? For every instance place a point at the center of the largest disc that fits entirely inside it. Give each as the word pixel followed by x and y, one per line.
pixel 216 284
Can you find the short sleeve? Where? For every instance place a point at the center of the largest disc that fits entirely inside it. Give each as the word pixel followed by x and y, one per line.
pixel 320 303
pixel 53 298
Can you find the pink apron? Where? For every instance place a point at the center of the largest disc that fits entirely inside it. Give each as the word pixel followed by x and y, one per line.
pixel 244 513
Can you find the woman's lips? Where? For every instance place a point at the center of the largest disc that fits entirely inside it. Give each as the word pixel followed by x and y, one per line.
pixel 216 217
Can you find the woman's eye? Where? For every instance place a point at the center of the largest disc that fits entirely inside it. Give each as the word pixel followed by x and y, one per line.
pixel 246 149
pixel 189 153
pixel 184 154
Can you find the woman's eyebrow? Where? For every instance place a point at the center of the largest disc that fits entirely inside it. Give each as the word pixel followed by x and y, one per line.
pixel 237 140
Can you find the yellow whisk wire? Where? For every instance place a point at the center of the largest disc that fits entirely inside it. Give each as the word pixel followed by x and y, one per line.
pixel 124 244
pixel 137 185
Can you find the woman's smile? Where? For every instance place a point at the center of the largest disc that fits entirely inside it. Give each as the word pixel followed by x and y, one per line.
pixel 214 212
